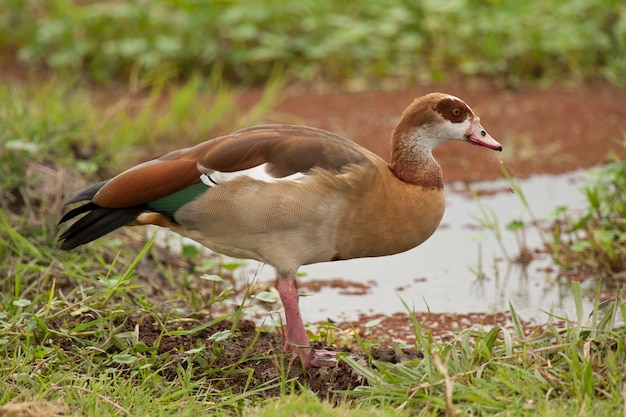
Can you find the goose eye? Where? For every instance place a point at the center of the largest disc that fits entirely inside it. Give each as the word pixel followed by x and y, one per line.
pixel 456 112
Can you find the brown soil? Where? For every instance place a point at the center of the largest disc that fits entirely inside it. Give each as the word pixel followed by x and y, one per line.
pixel 185 341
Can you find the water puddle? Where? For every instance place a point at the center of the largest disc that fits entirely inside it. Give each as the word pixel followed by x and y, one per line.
pixel 440 275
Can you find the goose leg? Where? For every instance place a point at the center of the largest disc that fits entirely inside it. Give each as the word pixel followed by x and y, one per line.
pixel 297 341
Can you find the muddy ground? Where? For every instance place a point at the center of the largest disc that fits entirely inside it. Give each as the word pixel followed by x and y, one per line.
pixel 543 130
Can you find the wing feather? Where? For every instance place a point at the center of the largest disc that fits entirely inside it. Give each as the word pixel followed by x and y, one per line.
pixel 285 149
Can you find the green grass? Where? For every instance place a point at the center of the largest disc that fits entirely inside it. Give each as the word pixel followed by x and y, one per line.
pixel 312 40
pixel 72 323
pixel 593 241
pixel 557 372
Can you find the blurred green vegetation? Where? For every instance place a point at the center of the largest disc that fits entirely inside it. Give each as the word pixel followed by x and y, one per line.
pixel 329 40
pixel 594 242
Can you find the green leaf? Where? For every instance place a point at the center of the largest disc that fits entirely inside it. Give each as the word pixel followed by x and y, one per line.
pixel 220 336
pixel 196 350
pixel 373 323
pixel 214 278
pixel 22 302
pixel 189 251
pixel 206 265
pixel 231 266
pixel 515 225
pixel 22 145
pixel 581 223
pixel 557 212
pixel 124 358
pixel 267 297
pixel 481 237
pixel 167 44
pixel 580 245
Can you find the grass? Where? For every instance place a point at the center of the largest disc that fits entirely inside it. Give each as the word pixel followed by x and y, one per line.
pixel 120 328
pixel 331 41
pixel 505 372
pixel 593 241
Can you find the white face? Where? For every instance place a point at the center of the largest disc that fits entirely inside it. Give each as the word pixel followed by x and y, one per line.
pixel 436 134
pixel 454 131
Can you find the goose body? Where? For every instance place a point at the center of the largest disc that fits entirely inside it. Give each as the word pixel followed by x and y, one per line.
pixel 289 196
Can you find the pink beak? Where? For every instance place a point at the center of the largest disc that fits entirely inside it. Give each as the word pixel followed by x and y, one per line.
pixel 477 135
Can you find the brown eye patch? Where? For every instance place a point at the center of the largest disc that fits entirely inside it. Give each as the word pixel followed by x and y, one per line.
pixel 454 110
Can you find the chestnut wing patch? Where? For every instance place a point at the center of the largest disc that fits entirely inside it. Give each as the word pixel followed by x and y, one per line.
pixel 284 149
pixel 148 182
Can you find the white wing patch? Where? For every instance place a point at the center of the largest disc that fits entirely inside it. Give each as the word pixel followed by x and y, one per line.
pixel 259 172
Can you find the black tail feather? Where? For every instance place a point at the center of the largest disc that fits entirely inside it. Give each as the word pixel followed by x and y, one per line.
pixel 88 193
pixel 95 224
pixel 77 211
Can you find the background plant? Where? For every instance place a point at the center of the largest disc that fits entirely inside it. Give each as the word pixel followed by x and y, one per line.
pixel 594 241
pixel 321 40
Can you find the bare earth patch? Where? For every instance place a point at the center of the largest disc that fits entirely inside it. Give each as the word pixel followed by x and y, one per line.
pixel 187 342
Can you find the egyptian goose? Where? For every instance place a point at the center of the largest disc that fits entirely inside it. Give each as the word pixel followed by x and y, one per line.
pixel 290 196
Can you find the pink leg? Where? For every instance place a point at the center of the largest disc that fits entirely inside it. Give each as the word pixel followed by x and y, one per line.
pixel 297 341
